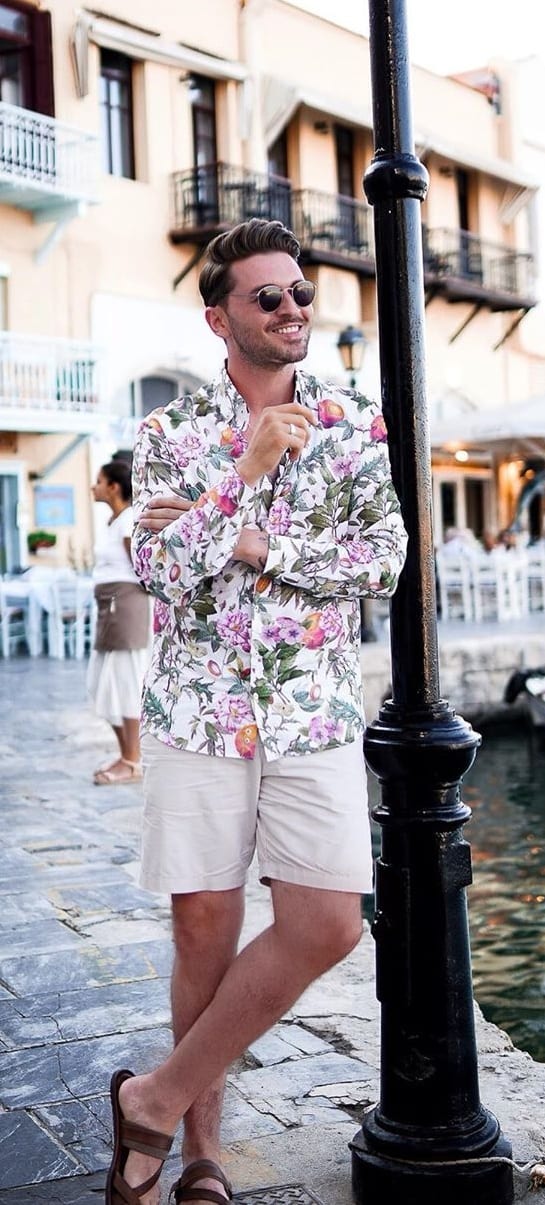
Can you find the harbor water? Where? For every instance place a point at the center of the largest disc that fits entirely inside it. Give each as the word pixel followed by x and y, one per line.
pixel 506 791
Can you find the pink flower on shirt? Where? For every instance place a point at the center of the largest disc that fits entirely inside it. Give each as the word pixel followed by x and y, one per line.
pixel 331 623
pixel 284 629
pixel 232 712
pixel 161 616
pixel 234 627
pixel 188 448
pixel 142 563
pixel 279 518
pixel 322 730
pixel 359 552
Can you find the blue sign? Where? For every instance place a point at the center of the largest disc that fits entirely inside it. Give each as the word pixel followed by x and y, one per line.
pixel 54 505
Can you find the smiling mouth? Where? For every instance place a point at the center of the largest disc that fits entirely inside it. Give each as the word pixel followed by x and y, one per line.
pixel 289 328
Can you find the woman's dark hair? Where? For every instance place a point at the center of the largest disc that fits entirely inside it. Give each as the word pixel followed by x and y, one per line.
pixel 118 472
pixel 248 238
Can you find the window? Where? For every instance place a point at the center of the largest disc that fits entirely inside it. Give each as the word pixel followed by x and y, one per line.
pixel 202 98
pixel 3 300
pixel 278 156
pixel 26 63
pixel 344 151
pixel 117 114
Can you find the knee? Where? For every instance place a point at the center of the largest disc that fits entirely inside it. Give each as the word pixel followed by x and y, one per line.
pixel 332 939
pixel 203 919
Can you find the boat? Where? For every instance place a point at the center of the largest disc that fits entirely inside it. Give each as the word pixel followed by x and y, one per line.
pixel 530 683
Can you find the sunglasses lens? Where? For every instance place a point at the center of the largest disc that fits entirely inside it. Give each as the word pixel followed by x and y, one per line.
pixel 304 292
pixel 269 298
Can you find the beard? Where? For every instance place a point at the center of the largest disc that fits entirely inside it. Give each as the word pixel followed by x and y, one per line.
pixel 254 346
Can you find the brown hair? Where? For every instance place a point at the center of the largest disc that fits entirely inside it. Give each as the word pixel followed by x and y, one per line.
pixel 118 472
pixel 248 238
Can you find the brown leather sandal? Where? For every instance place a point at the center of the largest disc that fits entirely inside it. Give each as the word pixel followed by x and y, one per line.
pixel 186 1188
pixel 129 1136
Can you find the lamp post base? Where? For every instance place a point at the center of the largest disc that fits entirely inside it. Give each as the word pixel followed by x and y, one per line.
pixel 484 1179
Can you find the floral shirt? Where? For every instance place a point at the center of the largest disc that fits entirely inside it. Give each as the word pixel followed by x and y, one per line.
pixel 238 653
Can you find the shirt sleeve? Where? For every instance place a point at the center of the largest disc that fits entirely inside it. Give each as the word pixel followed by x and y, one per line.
pixel 367 559
pixel 198 544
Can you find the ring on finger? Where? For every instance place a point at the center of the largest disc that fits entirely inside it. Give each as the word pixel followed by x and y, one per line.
pixel 292 429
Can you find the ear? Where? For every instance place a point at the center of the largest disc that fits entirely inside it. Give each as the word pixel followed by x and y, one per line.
pixel 218 321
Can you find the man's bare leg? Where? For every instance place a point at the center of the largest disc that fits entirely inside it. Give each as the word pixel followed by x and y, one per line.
pixel 313 929
pixel 206 928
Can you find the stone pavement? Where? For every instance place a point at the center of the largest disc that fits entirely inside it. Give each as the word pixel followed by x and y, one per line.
pixel 85 958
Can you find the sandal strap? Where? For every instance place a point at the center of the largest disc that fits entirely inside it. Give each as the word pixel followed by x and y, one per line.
pixel 147 1142
pixel 200 1194
pixel 133 1196
pixel 201 1169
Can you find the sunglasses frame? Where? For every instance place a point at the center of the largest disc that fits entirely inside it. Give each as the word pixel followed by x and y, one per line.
pixel 279 293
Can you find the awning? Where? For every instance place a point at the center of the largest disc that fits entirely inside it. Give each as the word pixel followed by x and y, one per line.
pixel 143 45
pixel 521 423
pixel 281 100
pixel 489 165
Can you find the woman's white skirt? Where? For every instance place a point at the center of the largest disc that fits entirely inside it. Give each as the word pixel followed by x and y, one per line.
pixel 114 681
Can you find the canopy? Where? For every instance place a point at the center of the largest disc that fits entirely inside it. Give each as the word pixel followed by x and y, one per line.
pixel 520 422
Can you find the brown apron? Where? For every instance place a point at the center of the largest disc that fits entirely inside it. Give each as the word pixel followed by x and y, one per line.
pixel 123 617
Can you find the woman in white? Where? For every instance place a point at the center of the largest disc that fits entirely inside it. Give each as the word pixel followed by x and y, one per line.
pixel 120 655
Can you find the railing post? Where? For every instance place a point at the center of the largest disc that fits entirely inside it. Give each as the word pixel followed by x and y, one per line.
pixel 429 1140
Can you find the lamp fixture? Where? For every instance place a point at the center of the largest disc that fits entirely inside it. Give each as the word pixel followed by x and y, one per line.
pixel 351 344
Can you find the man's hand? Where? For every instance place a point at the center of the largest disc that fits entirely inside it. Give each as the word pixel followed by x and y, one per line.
pixel 161 511
pixel 252 547
pixel 278 429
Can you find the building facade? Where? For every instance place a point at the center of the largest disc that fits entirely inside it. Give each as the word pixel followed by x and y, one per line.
pixel 128 139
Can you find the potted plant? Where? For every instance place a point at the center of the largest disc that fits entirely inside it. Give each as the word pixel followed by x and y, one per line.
pixel 40 539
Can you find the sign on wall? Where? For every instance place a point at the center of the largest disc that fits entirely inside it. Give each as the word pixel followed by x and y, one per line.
pixel 54 505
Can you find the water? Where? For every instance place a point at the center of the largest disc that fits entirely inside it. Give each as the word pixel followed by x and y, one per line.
pixel 506 792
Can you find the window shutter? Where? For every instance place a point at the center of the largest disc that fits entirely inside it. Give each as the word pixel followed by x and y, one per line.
pixel 44 98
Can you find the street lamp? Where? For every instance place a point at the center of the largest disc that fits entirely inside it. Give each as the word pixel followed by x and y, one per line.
pixel 351 344
pixel 429 1139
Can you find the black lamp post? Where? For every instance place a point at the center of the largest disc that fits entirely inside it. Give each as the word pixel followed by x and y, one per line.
pixel 351 344
pixel 429 1140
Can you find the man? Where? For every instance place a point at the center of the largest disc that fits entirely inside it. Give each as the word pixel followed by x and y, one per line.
pixel 266 510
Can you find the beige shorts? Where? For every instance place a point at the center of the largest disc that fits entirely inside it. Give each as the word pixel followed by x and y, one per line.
pixel 204 817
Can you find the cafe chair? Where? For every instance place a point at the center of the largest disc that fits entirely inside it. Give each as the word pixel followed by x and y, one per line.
pixel 13 622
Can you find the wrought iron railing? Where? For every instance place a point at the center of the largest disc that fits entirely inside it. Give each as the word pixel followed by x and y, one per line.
pixel 329 222
pixel 37 373
pixel 46 154
pixel 220 195
pixel 491 266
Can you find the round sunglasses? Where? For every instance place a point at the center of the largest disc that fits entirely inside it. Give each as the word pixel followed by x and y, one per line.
pixel 269 297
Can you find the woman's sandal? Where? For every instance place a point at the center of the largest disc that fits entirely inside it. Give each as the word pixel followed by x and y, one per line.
pixel 129 1136
pixel 187 1189
pixel 108 778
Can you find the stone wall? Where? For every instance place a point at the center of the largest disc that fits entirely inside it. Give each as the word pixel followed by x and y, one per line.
pixel 474 670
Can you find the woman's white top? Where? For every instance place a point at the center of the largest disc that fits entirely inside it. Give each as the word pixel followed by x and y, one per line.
pixel 112 563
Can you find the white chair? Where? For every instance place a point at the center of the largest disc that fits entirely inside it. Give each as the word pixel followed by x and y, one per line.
pixel 13 621
pixel 535 570
pixel 490 587
pixel 73 617
pixel 454 586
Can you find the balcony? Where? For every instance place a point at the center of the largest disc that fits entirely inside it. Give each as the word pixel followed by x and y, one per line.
pixel 331 229
pixel 46 167
pixel 462 267
pixel 334 230
pixel 49 385
pixel 210 199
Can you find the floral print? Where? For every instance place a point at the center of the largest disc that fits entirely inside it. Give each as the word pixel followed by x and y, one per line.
pixel 238 654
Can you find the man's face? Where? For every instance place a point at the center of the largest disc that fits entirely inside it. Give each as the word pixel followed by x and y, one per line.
pixel 265 340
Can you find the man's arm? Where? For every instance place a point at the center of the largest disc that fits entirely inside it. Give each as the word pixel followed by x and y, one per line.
pixel 175 547
pixel 367 561
pixel 176 543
